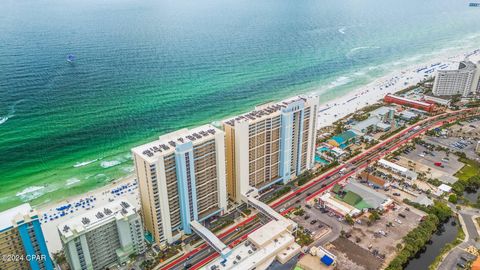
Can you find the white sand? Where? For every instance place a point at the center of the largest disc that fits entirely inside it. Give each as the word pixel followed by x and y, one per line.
pixel 338 108
pixel 102 196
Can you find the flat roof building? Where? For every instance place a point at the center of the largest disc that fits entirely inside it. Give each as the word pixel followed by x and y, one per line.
pixel 271 144
pixel 21 235
pixel 463 80
pixel 340 208
pixel 272 241
pixel 371 197
pixel 411 175
pixel 102 237
pixel 428 107
pixel 181 178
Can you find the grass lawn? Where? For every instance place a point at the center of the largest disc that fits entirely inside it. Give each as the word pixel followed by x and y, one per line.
pixel 470 169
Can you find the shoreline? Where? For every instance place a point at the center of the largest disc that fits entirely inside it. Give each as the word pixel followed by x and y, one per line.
pixel 329 112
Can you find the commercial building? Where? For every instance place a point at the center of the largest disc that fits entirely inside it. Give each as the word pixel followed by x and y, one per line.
pixel 411 175
pixel 373 180
pixel 343 139
pixel 272 241
pixel 371 197
pixel 420 105
pixel 337 206
pixel 102 237
pixel 273 143
pixel 463 80
pixel 181 179
pixel 21 237
pixel 373 123
pixel 438 100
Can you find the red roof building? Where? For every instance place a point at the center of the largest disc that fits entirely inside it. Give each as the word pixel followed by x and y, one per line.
pixel 424 106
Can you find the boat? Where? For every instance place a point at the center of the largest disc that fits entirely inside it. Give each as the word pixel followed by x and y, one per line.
pixel 474 4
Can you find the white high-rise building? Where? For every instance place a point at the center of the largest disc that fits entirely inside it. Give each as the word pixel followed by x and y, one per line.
pixel 181 179
pixel 271 144
pixel 102 237
pixel 461 81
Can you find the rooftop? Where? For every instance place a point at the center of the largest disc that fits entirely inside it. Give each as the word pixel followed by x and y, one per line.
pixel 263 111
pixel 275 239
pixel 96 217
pixel 371 121
pixel 392 165
pixel 421 103
pixel 167 143
pixel 370 196
pixel 7 217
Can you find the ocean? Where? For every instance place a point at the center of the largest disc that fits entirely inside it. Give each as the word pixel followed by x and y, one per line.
pixel 144 68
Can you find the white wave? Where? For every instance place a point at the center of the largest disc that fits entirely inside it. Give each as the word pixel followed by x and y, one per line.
pixel 340 81
pixel 85 163
pixel 341 30
pixel 29 190
pixel 128 169
pixel 31 193
pixel 3 119
pixel 72 181
pixel 108 164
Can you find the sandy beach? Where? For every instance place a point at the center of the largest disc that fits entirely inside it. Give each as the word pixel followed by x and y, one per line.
pixel 338 108
pixel 52 214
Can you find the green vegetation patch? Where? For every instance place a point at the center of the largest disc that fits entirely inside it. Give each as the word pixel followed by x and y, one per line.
pixel 471 168
pixel 351 198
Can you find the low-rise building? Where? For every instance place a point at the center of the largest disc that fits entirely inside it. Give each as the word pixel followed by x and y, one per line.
pixel 428 107
pixel 371 197
pixel 408 115
pixel 343 139
pixel 22 243
pixel 102 237
pixel 340 208
pixel 411 175
pixel 373 123
pixel 423 200
pixel 272 241
pixel 374 180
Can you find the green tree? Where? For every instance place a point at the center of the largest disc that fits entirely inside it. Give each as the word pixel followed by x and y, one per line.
pixel 349 219
pixel 452 198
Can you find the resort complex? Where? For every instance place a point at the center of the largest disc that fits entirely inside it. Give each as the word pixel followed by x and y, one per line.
pixel 383 177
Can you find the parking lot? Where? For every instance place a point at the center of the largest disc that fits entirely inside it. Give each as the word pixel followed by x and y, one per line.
pixel 422 156
pixel 383 235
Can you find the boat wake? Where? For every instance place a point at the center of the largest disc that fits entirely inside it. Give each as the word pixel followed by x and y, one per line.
pixel 357 50
pixel 11 113
pixel 341 30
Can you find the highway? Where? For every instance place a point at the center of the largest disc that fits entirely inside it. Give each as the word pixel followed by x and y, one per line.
pixel 201 255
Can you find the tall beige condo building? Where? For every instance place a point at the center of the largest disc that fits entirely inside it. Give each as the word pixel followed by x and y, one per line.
pixel 181 178
pixel 273 143
pixel 463 80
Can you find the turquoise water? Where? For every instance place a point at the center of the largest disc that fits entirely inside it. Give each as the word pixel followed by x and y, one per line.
pixel 148 67
pixel 320 160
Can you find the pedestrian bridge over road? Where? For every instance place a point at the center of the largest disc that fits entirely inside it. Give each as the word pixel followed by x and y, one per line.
pixel 210 238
